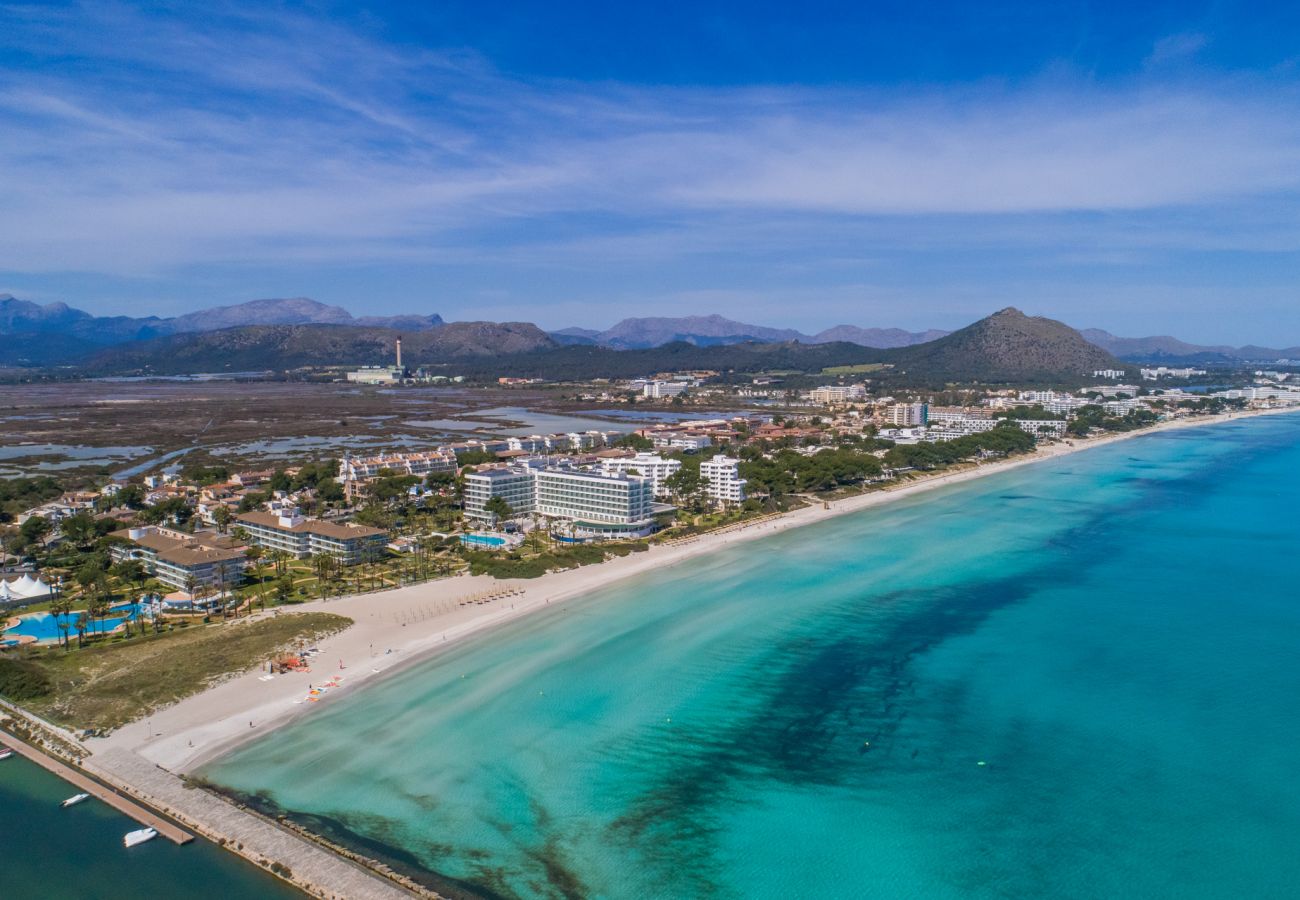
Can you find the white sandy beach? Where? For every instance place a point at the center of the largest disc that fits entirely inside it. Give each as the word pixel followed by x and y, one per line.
pixel 398 627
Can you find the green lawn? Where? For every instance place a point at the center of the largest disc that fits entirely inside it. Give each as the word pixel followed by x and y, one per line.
pixel 107 685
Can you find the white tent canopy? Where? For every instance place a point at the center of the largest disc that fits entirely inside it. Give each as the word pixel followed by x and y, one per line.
pixel 24 588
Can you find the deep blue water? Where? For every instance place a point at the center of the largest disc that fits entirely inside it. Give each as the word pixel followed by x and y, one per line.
pixel 50 853
pixel 1074 679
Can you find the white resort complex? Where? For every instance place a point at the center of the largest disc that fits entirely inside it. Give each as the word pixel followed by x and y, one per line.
pixel 300 538
pixel 598 505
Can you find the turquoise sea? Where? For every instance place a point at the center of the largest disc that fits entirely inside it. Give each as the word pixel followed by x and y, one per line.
pixel 1072 679
pixel 50 853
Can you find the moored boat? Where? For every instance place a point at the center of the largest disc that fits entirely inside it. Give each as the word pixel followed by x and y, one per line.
pixel 5 753
pixel 74 800
pixel 139 837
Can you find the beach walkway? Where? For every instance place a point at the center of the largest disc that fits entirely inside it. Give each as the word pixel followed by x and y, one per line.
pixel 123 805
pixel 315 869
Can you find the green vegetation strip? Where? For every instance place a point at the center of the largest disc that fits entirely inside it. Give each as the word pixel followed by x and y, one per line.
pixel 860 369
pixel 515 565
pixel 107 686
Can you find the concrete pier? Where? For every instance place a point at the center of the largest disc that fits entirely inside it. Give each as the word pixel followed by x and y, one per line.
pixel 122 804
pixel 313 868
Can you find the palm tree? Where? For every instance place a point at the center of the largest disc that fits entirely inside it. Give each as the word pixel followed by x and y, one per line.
pixel 204 592
pixel 126 619
pixel 61 608
pixel 323 565
pixel 191 585
pixel 221 589
pixel 80 624
pixel 254 556
pixel 96 609
pixel 281 559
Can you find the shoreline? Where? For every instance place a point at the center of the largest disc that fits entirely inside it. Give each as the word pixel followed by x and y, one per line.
pixel 401 627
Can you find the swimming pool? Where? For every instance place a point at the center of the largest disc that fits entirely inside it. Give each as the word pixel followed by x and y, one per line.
pixel 44 627
pixel 488 541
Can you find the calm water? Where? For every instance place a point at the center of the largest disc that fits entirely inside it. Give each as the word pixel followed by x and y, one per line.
pixel 1076 679
pixel 52 853
pixel 45 627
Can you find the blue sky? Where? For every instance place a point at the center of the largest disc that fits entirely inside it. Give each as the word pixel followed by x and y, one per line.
pixel 887 164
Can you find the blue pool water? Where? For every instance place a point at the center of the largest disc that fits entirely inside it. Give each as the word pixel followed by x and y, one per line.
pixel 1075 679
pixel 45 627
pixel 483 540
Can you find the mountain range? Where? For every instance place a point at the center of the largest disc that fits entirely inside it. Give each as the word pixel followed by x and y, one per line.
pixel 712 331
pixel 1006 347
pixel 278 333
pixel 279 347
pixel 79 333
pixel 1165 349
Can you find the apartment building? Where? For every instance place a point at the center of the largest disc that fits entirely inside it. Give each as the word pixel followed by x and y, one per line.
pixel 680 440
pixel 647 465
pixel 420 464
pixel 301 538
pixel 722 477
pixel 207 562
pixel 903 415
pixel 837 393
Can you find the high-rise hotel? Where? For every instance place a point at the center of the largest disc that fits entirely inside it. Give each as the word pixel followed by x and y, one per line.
pixel 598 505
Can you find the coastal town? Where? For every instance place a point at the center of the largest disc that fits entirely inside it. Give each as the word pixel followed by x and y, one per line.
pixel 633 451
pixel 95 561
pixel 210 554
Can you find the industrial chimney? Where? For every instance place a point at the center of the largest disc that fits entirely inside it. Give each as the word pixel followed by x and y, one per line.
pixel 399 353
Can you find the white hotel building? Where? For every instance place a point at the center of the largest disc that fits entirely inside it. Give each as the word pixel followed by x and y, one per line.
pixel 598 505
pixel 361 468
pixel 659 389
pixel 722 475
pixel 956 427
pixel 837 393
pixel 678 440
pixel 648 465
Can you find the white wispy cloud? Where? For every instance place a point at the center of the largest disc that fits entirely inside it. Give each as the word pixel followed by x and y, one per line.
pixel 1177 47
pixel 134 144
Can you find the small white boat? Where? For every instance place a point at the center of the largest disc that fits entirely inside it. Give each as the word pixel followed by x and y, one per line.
pixel 5 753
pixel 139 837
pixel 74 800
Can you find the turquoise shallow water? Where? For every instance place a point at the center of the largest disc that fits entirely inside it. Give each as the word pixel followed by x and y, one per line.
pixel 1113 635
pixel 51 853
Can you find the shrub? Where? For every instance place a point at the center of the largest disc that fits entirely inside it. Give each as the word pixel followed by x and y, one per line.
pixel 21 680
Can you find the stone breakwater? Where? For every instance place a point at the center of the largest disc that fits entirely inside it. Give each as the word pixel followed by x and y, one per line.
pixel 307 864
pixel 143 791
